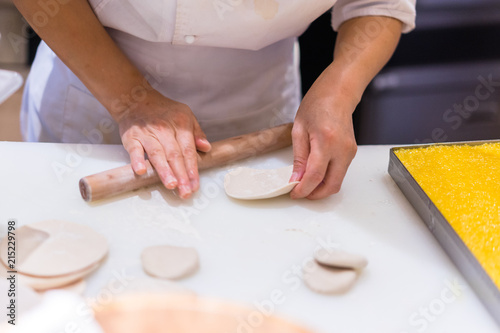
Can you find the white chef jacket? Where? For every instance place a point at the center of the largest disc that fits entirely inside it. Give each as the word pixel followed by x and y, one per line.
pixel 233 62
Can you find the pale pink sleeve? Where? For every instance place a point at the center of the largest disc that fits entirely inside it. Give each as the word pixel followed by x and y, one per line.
pixel 403 10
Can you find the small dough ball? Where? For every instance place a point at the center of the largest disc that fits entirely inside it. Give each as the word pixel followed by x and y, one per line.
pixel 340 259
pixel 328 280
pixel 170 262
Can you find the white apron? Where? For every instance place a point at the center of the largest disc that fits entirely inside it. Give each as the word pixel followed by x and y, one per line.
pixel 233 62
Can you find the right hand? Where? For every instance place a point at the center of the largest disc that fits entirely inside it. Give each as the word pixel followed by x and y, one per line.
pixel 168 132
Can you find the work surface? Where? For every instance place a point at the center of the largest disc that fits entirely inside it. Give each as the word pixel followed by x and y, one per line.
pixel 252 251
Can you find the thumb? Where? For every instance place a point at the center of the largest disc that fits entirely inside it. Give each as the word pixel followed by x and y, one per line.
pixel 200 139
pixel 301 150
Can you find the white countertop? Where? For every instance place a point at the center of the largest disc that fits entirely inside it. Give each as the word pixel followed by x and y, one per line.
pixel 248 250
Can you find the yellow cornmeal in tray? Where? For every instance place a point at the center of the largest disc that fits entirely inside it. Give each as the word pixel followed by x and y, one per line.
pixel 463 181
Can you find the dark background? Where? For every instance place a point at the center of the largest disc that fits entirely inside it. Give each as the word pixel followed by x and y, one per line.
pixel 463 34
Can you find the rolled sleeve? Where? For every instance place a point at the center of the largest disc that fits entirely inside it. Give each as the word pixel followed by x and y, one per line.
pixel 402 10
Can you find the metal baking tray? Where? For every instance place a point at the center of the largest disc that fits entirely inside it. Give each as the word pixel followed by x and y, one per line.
pixel 453 245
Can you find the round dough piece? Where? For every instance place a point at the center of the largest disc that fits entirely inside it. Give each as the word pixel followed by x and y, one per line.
pixel 251 184
pixel 55 248
pixel 170 262
pixel 328 280
pixel 46 283
pixel 340 259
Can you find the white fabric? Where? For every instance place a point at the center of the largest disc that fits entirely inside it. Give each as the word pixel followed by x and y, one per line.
pixel 402 10
pixel 234 62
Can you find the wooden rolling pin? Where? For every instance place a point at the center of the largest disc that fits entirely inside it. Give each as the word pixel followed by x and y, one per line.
pixel 123 179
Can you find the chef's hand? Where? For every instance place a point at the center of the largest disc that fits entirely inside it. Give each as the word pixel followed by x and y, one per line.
pixel 168 132
pixel 164 129
pixel 323 136
pixel 323 143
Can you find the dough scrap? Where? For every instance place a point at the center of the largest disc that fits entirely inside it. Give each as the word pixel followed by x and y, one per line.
pixel 55 248
pixel 251 184
pixel 340 259
pixel 170 262
pixel 328 280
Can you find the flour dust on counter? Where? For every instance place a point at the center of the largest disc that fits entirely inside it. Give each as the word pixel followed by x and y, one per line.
pixel 252 184
pixel 170 262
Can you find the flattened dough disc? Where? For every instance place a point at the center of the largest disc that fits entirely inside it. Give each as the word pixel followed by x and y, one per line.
pixel 328 280
pixel 170 262
pixel 251 184
pixel 54 248
pixel 340 259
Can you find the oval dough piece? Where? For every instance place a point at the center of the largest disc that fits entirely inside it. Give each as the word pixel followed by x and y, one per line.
pixel 54 248
pixel 328 280
pixel 45 283
pixel 251 184
pixel 169 262
pixel 340 259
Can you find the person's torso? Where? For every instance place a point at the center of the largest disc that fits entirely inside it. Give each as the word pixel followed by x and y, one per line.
pixel 236 68
pixel 236 24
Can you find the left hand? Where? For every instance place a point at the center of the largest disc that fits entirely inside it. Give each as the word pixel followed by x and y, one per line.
pixel 323 135
pixel 323 143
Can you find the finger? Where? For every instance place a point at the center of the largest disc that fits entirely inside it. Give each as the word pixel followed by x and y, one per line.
pixel 335 175
pixel 175 160
pixel 317 164
pixel 200 139
pixel 331 184
pixel 186 142
pixel 300 141
pixel 136 152
pixel 157 157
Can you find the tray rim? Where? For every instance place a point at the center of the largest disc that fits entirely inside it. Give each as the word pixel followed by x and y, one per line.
pixel 452 244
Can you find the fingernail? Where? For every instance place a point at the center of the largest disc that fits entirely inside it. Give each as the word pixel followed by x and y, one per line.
pixel 295 177
pixel 139 166
pixel 171 183
pixel 185 190
pixel 195 184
